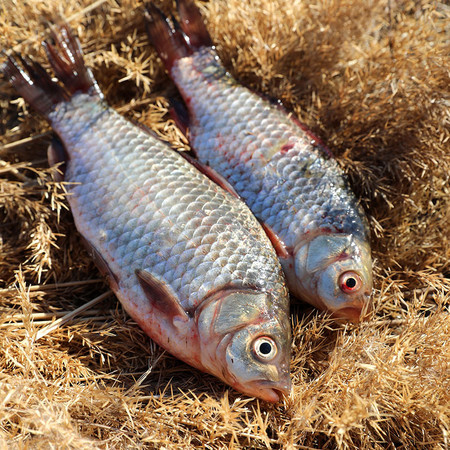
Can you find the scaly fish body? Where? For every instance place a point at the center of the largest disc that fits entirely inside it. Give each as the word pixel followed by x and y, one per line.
pixel 282 171
pixel 187 260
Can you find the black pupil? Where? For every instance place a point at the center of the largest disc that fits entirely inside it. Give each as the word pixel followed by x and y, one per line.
pixel 265 348
pixel 350 283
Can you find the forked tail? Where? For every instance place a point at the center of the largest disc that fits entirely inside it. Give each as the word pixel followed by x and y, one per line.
pixel 35 85
pixel 172 39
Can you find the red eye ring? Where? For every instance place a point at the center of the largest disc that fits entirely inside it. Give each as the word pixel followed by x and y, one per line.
pixel 350 282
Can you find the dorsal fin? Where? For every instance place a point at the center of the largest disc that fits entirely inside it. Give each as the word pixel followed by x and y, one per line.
pixel 211 174
pixel 315 140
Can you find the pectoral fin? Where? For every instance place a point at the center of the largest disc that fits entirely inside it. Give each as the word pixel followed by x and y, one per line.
pixel 161 296
pixel 278 244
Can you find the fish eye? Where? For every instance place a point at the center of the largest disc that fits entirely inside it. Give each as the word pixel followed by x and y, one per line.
pixel 350 282
pixel 265 348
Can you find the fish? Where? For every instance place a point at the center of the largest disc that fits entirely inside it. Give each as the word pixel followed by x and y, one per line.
pixel 187 260
pixel 284 173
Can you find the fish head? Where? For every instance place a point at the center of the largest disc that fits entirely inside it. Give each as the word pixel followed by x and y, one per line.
pixel 246 342
pixel 336 275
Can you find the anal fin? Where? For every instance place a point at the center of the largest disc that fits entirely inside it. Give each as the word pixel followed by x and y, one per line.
pixel 57 155
pixel 102 265
pixel 180 115
pixel 161 296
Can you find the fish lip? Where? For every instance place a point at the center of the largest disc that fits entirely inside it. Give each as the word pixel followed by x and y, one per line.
pixel 272 396
pixel 351 313
pixel 355 313
pixel 271 391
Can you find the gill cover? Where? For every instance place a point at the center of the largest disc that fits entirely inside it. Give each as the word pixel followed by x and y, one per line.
pixel 336 270
pixel 248 339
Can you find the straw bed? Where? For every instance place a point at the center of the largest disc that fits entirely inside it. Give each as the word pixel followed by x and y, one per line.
pixel 372 79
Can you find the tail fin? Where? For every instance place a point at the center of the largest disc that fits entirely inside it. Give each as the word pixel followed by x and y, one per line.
pixel 172 40
pixel 66 58
pixel 35 85
pixel 192 24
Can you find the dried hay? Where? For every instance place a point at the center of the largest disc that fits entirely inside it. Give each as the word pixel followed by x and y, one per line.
pixel 371 78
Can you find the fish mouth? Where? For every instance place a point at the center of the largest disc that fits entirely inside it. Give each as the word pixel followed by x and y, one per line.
pixel 354 313
pixel 270 391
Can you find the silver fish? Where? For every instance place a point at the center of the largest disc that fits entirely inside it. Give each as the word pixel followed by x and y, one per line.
pixel 280 169
pixel 187 260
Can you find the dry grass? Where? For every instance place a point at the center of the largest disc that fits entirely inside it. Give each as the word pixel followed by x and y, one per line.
pixel 370 77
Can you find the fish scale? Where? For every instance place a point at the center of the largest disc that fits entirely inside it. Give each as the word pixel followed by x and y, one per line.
pixel 312 187
pixel 129 222
pixel 188 261
pixel 302 173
